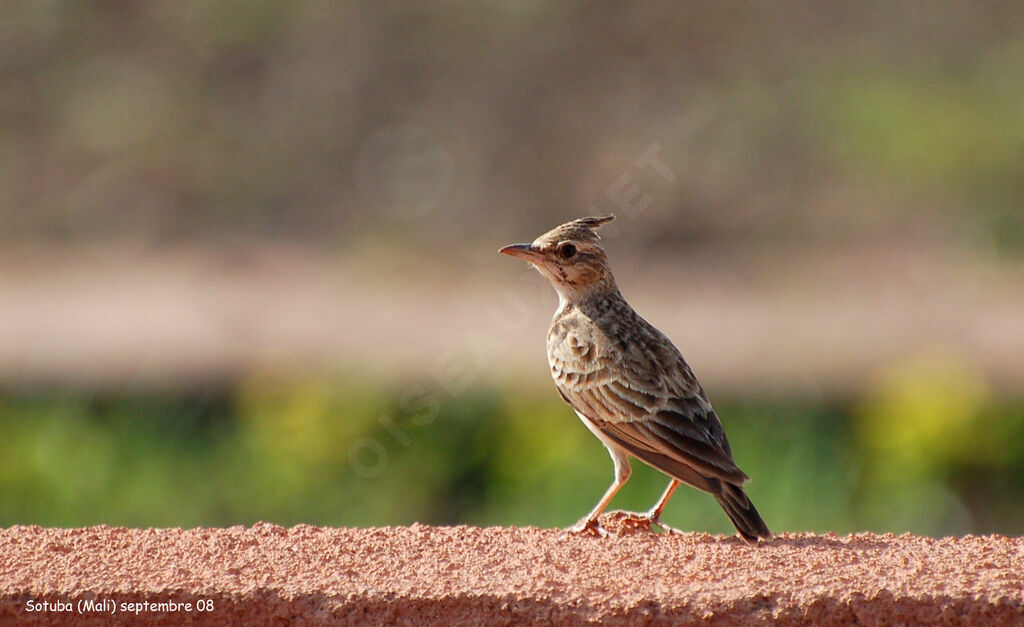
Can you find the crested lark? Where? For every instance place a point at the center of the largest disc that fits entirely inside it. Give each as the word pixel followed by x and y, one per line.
pixel 629 384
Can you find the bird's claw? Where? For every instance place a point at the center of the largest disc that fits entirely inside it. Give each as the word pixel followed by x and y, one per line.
pixel 585 527
pixel 621 523
pixel 634 522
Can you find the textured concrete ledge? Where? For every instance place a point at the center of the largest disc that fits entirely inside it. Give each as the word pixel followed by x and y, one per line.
pixel 268 574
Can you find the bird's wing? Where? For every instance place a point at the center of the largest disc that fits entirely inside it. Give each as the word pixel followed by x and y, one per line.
pixel 649 403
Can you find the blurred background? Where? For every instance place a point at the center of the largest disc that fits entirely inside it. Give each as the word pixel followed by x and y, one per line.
pixel 248 262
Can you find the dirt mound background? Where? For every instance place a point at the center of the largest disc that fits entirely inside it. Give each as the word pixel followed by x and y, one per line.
pixel 446 575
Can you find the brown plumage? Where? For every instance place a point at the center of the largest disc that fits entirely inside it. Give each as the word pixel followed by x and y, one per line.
pixel 629 384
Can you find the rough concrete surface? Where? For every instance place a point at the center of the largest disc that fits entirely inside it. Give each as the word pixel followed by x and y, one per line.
pixel 267 574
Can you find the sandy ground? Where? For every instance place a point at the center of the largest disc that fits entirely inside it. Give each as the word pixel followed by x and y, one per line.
pixel 268 574
pixel 803 321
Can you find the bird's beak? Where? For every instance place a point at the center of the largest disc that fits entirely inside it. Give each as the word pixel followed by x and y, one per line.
pixel 522 251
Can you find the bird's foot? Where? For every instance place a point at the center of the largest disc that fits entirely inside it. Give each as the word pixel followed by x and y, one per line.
pixel 628 523
pixel 586 527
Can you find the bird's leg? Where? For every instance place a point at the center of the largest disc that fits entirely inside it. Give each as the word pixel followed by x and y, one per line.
pixel 654 515
pixel 589 524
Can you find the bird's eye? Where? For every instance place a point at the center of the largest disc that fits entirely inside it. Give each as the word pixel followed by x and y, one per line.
pixel 567 250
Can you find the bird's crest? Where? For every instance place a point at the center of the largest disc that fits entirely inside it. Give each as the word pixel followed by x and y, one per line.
pixel 581 229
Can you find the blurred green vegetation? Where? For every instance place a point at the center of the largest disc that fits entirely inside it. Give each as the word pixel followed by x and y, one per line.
pixel 929 449
pixel 163 121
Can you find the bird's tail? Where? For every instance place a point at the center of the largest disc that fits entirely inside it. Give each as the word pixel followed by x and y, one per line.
pixel 742 513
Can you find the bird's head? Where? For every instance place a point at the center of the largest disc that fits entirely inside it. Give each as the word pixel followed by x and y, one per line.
pixel 570 257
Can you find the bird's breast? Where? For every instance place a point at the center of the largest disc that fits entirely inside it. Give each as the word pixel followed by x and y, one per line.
pixel 574 354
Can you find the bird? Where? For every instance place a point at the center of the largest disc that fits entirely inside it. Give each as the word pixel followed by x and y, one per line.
pixel 630 385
